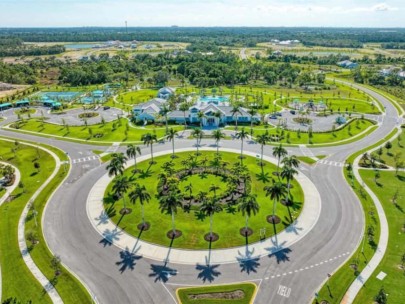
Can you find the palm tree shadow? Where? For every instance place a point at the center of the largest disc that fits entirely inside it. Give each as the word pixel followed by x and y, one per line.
pixel 278 251
pixel 143 174
pixel 292 227
pixel 163 273
pixel 207 272
pixel 128 259
pixel 247 261
pixel 263 177
pixel 109 236
pixel 105 215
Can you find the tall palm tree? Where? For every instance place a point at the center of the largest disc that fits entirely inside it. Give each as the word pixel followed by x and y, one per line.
pixel 169 204
pixel 262 139
pixel 276 192
pixel 200 116
pixel 197 134
pixel 139 193
pixel 288 173
pixel 148 140
pixel 291 161
pixel 170 136
pixel 235 111
pixel 164 111
pixel 218 135
pixel 279 152
pixel 120 187
pixel 209 208
pixel 242 135
pixel 252 111
pixel 214 188
pixel 184 108
pixel 117 164
pixel 189 189
pixel 132 152
pixel 248 206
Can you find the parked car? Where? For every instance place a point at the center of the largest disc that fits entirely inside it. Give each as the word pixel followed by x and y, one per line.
pixel 292 112
pixel 106 108
pixel 273 116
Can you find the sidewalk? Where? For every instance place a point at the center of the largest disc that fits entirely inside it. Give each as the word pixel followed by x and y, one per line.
pixel 108 230
pixel 362 278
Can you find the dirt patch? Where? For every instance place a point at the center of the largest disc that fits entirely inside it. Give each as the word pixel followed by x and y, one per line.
pixel 231 295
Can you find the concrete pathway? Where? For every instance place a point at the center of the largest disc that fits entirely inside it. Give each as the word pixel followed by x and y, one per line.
pixel 9 190
pixel 108 230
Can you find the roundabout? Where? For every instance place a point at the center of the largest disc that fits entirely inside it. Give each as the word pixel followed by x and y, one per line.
pixel 226 225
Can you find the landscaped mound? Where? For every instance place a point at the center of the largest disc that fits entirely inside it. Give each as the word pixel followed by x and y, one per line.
pixel 192 187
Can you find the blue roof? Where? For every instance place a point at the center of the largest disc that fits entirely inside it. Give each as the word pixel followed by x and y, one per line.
pixel 98 92
pixel 24 101
pixel 7 104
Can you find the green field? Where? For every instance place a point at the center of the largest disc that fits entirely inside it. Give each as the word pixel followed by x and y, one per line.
pixel 15 274
pixel 249 290
pixel 397 151
pixel 226 223
pixel 109 133
pixel 394 282
pixel 135 97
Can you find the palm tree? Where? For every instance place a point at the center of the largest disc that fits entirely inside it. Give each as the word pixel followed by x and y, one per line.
pixel 209 208
pixel 148 140
pixel 235 110
pixel 214 188
pixel 184 107
pixel 164 111
pixel 291 161
pixel 170 136
pixel 169 204
pixel 189 188
pixel 197 134
pixel 117 164
pixel 262 139
pixel 140 194
pixel 218 135
pixel 120 187
pixel 252 111
pixel 248 206
pixel 132 152
pixel 276 191
pixel 241 135
pixel 200 116
pixel 288 173
pixel 279 152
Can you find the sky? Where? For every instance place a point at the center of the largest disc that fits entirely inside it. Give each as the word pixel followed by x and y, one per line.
pixel 79 13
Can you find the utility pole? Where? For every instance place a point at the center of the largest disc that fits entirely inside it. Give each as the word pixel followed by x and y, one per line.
pixel 126 27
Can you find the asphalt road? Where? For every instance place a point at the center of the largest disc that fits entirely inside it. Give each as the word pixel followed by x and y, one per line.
pixel 291 276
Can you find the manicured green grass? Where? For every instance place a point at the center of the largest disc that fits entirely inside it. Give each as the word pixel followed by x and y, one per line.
pixel 136 97
pixel 226 223
pixel 25 111
pixel 350 130
pixel 346 274
pixel 337 105
pixel 17 280
pixel 203 183
pixel 394 282
pixel 307 160
pixel 110 134
pixel 15 274
pixel 249 290
pixel 397 151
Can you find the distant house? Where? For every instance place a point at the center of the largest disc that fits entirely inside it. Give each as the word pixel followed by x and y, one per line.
pixel 401 74
pixel 277 53
pixel 165 92
pixel 347 64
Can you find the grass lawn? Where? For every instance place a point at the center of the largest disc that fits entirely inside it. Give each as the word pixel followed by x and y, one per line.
pixel 394 282
pixel 136 97
pixel 15 274
pixel 249 290
pixel 347 273
pixel 109 133
pixel 25 111
pixel 397 151
pixel 226 223
pixel 337 105
pixel 293 137
pixel 307 160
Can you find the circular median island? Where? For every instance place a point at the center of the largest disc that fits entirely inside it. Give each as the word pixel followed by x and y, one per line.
pixel 204 196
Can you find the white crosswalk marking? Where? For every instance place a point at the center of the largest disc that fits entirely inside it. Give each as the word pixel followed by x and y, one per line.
pixel 113 148
pixel 84 159
pixel 307 152
pixel 331 163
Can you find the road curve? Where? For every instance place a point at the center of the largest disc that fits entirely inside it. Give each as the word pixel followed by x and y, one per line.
pixel 302 267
